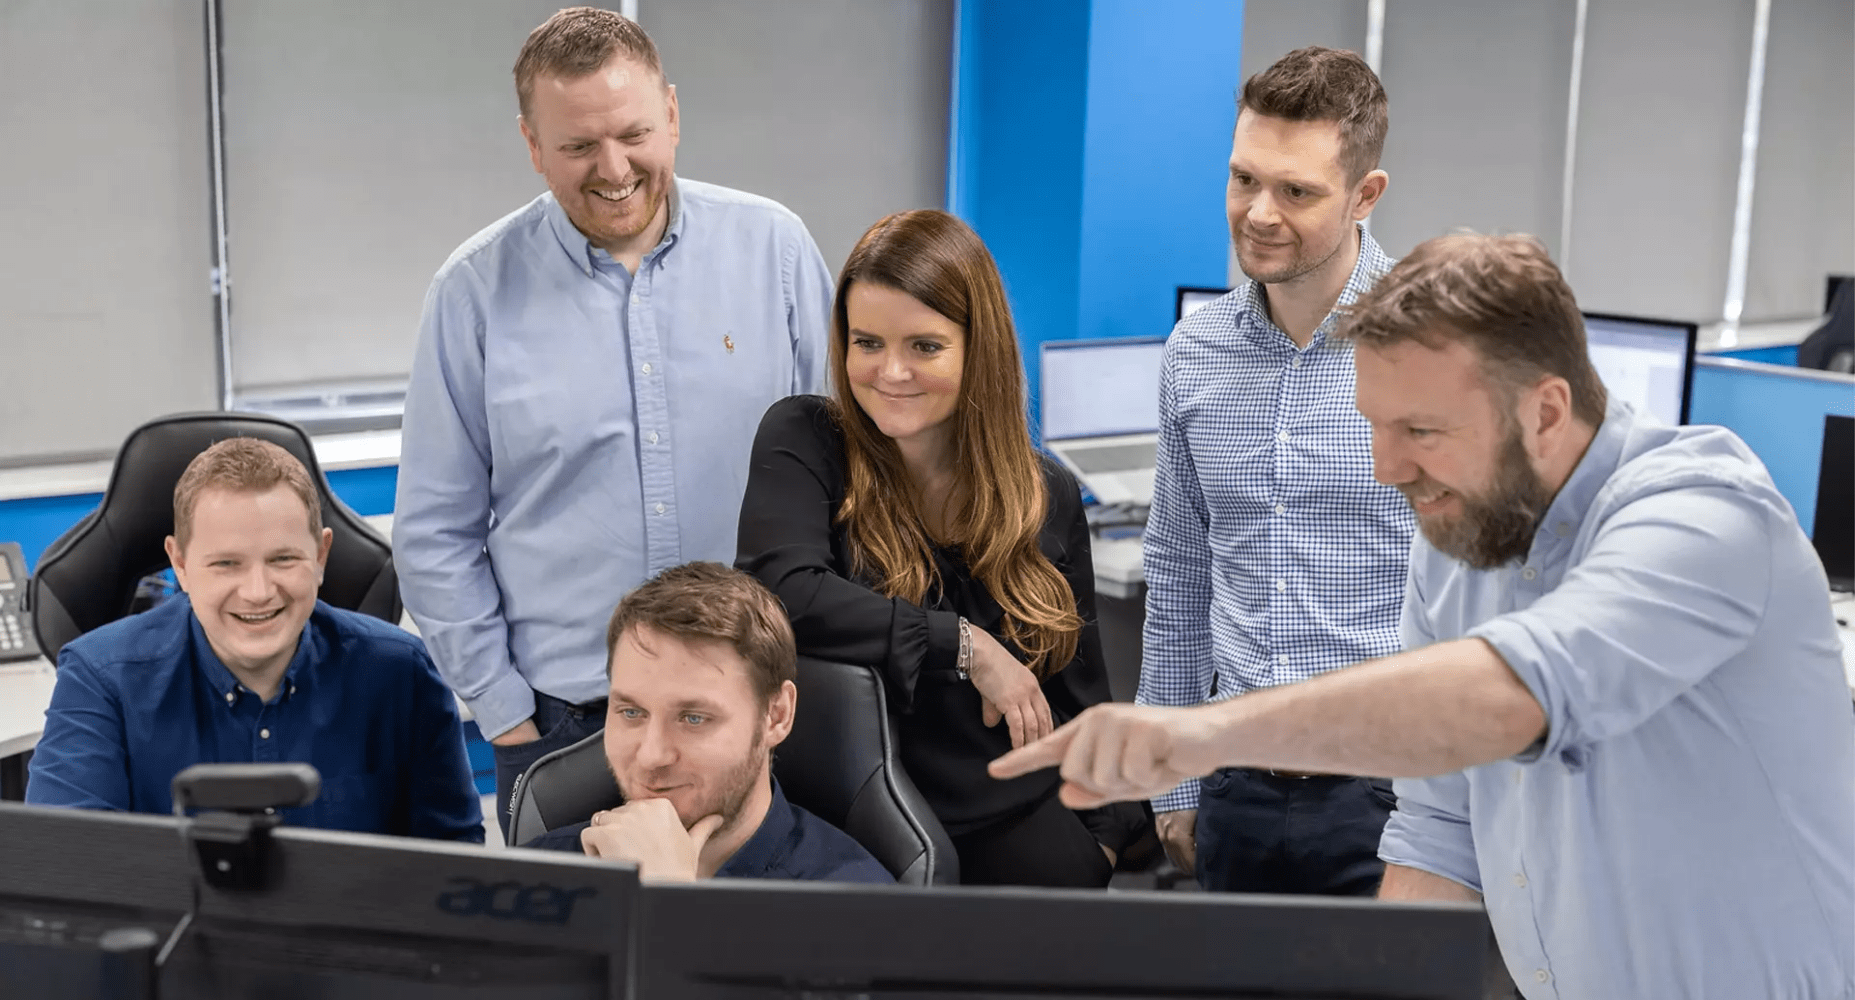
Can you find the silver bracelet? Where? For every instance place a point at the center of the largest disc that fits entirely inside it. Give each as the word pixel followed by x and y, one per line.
pixel 965 661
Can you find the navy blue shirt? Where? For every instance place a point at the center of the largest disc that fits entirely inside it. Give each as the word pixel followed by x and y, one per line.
pixel 142 698
pixel 791 844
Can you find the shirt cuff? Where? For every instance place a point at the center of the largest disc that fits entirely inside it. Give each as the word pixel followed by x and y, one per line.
pixel 1183 797
pixel 1513 642
pixel 943 639
pixel 507 703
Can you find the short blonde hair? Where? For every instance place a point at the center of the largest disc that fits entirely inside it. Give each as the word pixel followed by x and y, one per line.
pixel 246 465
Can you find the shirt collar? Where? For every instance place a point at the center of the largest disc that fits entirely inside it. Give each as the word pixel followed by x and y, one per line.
pixel 221 679
pixel 1371 266
pixel 1594 469
pixel 763 848
pixel 584 255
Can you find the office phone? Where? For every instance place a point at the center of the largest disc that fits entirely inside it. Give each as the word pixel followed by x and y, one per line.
pixel 16 639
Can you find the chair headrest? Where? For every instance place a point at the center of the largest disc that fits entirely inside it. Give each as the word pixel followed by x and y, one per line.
pixel 87 578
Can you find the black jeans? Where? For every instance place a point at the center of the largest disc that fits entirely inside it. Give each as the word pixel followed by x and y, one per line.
pixel 1260 832
pixel 562 724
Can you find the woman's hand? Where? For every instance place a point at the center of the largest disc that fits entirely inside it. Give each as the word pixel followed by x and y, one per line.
pixel 1010 690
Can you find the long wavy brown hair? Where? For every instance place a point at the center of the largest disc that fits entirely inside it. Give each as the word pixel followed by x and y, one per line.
pixel 998 498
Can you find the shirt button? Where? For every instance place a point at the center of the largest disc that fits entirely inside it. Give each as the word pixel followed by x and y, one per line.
pixel 1516 776
pixel 1541 975
pixel 1520 879
pixel 1297 361
pixel 646 369
pixel 1282 436
pixel 270 810
pixel 1281 585
pixel 1562 529
pixel 230 697
pixel 1528 573
pixel 661 508
pixel 653 437
pixel 1282 659
pixel 1281 508
pixel 264 734
pixel 634 298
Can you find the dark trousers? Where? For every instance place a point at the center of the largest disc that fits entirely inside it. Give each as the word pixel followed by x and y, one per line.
pixel 1049 846
pixel 562 724
pixel 1260 832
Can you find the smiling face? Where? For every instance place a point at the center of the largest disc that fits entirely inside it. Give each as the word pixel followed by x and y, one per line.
pixel 606 142
pixel 904 361
pixel 1290 207
pixel 1453 447
pixel 685 724
pixel 251 567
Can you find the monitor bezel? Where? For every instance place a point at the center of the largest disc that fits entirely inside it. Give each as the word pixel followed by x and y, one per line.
pixel 1693 337
pixel 1181 291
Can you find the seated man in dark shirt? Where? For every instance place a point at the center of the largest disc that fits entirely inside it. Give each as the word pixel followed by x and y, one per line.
pixel 249 667
pixel 701 662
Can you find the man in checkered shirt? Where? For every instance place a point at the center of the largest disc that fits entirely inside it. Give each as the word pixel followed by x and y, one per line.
pixel 1271 554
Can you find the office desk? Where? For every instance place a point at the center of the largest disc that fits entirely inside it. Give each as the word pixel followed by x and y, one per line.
pixel 25 691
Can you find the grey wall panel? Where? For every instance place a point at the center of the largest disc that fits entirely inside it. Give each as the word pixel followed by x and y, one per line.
pixel 1274 28
pixel 1658 155
pixel 1477 140
pixel 1803 210
pixel 364 142
pixel 105 309
pixel 835 108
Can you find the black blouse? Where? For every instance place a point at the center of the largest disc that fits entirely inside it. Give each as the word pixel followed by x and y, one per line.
pixel 789 540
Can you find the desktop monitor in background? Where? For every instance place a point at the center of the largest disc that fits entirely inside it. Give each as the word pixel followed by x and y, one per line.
pixel 1649 362
pixel 1097 388
pixel 1834 533
pixel 1190 297
pixel 746 939
pixel 87 897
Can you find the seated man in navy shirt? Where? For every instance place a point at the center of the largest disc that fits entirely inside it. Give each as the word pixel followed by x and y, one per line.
pixel 248 667
pixel 701 662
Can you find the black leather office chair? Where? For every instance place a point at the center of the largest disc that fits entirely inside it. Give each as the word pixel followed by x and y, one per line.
pixel 88 577
pixel 839 763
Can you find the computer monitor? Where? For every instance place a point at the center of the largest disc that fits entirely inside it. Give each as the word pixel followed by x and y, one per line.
pixel 84 896
pixel 1190 297
pixel 1834 532
pixel 1649 362
pixel 1095 388
pixel 744 939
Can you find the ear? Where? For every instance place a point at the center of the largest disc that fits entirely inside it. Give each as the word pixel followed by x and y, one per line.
pixel 1371 189
pixel 322 547
pixel 1548 419
pixel 177 559
pixel 780 711
pixel 676 118
pixel 534 142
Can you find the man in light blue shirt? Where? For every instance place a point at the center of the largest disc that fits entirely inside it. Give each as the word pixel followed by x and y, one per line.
pixel 1621 719
pixel 589 375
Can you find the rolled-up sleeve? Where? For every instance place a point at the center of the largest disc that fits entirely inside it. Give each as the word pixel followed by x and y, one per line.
pixel 441 515
pixel 1673 585
pixel 1175 661
pixel 1429 830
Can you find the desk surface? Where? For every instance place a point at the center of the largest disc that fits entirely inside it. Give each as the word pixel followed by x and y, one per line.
pixel 25 691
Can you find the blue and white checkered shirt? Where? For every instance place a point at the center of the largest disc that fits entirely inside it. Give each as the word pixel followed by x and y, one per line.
pixel 1271 554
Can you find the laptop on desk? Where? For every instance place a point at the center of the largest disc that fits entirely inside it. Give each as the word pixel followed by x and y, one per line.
pixel 1100 413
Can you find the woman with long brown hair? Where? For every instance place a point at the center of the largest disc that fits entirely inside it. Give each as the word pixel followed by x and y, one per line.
pixel 908 524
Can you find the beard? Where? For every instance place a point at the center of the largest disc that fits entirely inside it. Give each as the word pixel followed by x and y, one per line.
pixel 728 793
pixel 1495 526
pixel 1302 260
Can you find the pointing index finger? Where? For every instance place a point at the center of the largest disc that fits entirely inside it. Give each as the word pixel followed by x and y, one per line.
pixel 1046 752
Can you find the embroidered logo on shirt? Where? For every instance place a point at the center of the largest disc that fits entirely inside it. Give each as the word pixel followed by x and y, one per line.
pixel 727 342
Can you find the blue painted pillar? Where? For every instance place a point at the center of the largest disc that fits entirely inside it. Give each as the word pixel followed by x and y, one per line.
pixel 1088 148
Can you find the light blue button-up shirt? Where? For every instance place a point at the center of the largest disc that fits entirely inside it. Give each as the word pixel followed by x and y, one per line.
pixel 1687 826
pixel 572 429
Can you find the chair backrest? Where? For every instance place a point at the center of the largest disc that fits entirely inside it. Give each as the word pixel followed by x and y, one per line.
pixel 88 577
pixel 839 763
